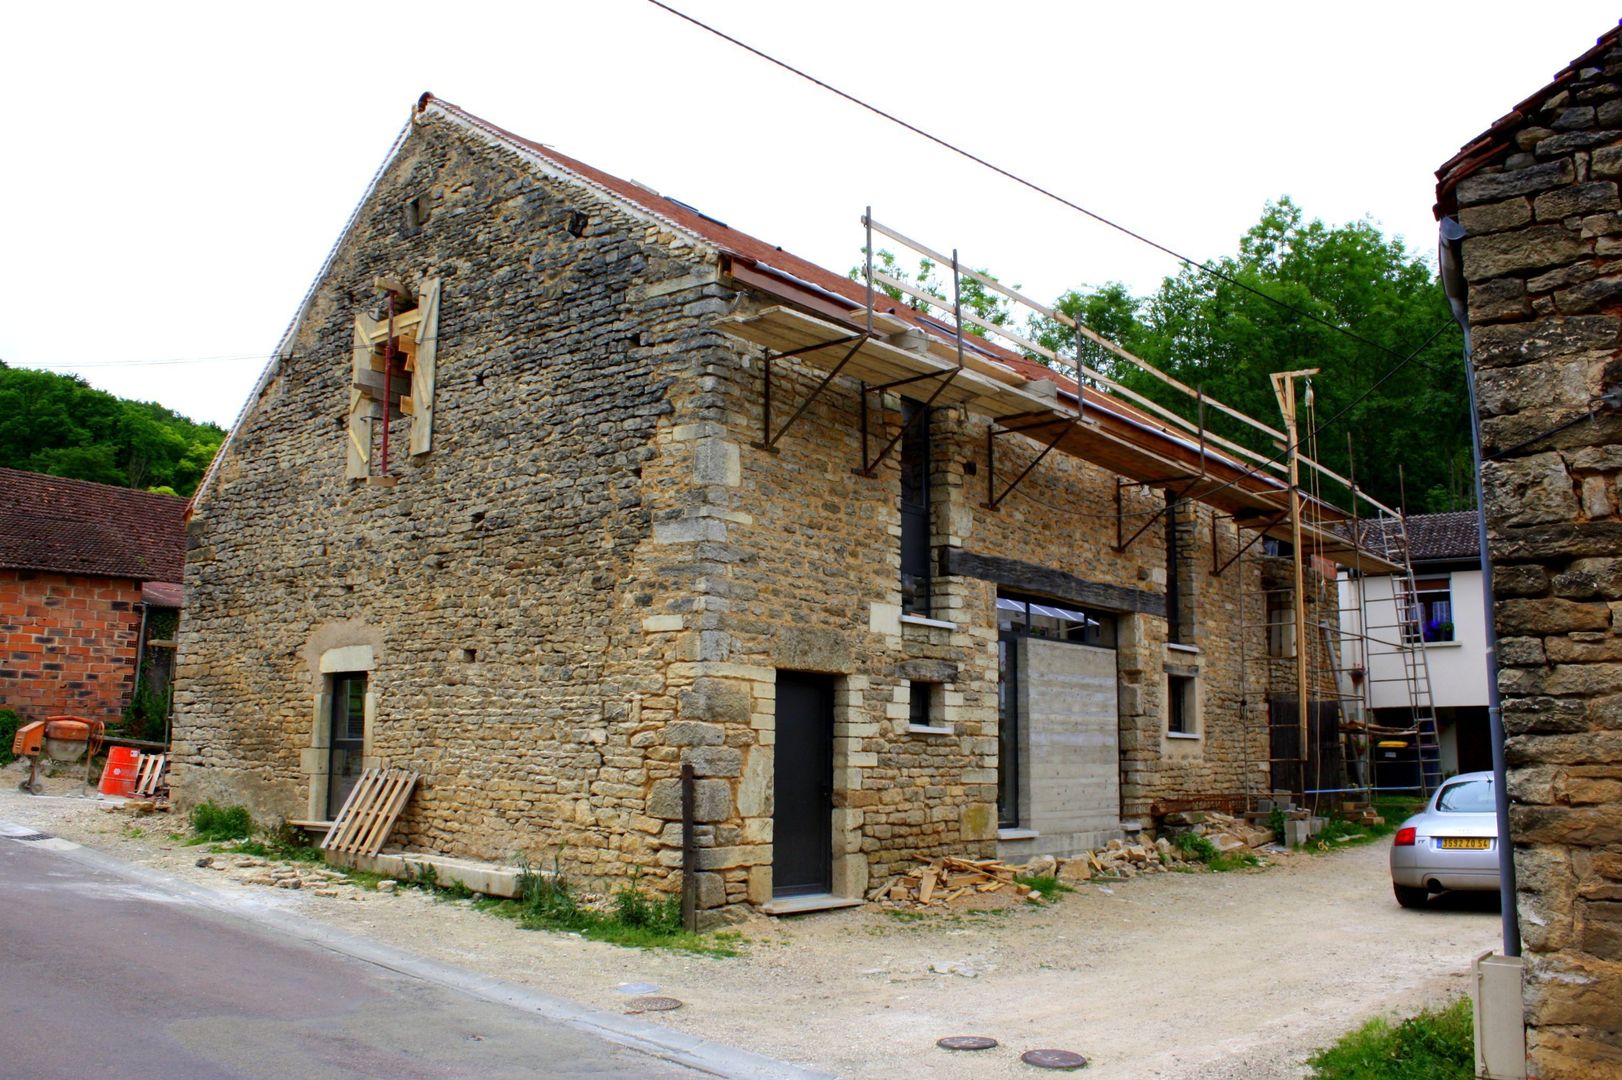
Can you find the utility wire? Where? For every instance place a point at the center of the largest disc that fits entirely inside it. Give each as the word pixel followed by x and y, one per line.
pixel 1032 185
pixel 71 365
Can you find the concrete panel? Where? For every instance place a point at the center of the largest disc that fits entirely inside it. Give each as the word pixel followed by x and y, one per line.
pixel 1069 752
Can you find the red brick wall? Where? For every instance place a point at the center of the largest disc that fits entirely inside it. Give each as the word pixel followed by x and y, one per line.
pixel 67 643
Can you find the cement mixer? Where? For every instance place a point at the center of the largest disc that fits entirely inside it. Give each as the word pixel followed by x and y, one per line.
pixel 57 738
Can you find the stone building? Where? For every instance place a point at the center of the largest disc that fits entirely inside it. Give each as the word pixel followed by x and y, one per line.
pixel 1537 198
pixel 556 484
pixel 82 565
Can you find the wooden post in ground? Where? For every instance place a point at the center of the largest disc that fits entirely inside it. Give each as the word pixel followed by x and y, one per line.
pixel 1284 388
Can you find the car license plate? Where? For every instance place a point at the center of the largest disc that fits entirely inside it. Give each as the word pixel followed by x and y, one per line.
pixel 1468 843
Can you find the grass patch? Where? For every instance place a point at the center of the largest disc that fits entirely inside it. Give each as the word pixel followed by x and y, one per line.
pixel 1339 832
pixel 1435 1045
pixel 1049 887
pixel 632 918
pixel 212 823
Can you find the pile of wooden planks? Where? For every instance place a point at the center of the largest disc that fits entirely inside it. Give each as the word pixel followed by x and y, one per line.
pixel 369 814
pixel 942 880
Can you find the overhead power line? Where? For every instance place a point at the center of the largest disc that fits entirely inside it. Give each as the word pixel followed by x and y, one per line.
pixel 1033 186
pixel 73 365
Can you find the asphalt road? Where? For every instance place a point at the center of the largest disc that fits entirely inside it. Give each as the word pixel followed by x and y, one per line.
pixel 104 976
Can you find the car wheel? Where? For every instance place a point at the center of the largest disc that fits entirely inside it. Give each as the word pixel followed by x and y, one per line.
pixel 1409 896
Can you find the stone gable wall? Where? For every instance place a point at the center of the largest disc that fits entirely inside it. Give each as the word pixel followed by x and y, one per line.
pixel 1543 260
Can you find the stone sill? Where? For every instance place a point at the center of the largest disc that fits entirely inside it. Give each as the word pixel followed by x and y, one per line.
pixel 925 729
pixel 1444 644
pixel 1183 735
pixel 920 620
pixel 1017 834
pixel 1179 647
pixel 800 905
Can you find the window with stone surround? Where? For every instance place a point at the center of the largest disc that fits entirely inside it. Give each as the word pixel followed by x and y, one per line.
pixel 915 510
pixel 1280 625
pixel 392 374
pixel 1182 705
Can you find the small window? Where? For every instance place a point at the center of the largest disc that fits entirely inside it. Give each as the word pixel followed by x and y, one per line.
pixel 922 705
pixel 1181 717
pixel 915 513
pixel 1280 625
pixel 1434 601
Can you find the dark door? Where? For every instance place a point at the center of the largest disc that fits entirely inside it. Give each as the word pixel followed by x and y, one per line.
pixel 347 739
pixel 802 816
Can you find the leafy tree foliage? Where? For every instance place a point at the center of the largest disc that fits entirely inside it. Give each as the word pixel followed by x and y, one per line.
pixel 1212 333
pixel 58 424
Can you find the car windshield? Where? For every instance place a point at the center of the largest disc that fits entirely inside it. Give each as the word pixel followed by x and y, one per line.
pixel 1470 797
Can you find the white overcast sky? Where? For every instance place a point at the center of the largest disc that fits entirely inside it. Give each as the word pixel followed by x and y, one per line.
pixel 175 174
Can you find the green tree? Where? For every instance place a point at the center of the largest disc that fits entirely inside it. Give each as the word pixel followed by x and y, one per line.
pixel 58 424
pixel 936 281
pixel 1212 332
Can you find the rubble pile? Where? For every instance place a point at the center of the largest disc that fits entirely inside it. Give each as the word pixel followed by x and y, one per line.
pixel 250 870
pixel 940 881
pixel 1226 832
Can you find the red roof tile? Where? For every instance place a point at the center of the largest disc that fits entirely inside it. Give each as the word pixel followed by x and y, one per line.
pixel 1492 145
pixel 76 527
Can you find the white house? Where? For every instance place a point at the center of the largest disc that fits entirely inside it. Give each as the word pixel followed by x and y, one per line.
pixel 1453 612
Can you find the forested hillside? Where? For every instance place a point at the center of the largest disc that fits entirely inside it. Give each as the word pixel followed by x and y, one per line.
pixel 59 424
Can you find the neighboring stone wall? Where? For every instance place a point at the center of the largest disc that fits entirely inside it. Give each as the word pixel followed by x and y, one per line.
pixel 1543 259
pixel 67 644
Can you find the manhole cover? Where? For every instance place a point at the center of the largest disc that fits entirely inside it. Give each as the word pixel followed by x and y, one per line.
pixel 32 836
pixel 1053 1059
pixel 653 1004
pixel 966 1042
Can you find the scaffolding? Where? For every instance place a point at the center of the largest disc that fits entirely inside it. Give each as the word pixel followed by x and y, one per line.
pixel 888 333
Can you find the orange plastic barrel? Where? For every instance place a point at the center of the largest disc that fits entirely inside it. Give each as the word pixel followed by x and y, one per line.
pixel 118 778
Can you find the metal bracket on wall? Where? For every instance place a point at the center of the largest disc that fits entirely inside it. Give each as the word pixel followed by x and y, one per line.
pixel 1122 541
pixel 769 439
pixel 1008 425
pixel 1261 526
pixel 869 467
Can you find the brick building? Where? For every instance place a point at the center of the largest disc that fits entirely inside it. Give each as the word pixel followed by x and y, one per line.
pixel 635 510
pixel 78 566
pixel 1537 198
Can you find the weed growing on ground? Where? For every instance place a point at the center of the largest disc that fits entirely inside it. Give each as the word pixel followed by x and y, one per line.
pixel 1195 846
pixel 1435 1045
pixel 9 723
pixel 1049 887
pixel 1338 832
pixel 212 823
pixel 134 832
pixel 547 901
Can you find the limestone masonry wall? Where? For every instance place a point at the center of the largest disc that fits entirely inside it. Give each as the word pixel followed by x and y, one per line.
pixel 1543 259
pixel 595 576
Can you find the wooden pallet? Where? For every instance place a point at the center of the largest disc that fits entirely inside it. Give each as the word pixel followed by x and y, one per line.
pixel 369 814
pixel 151 776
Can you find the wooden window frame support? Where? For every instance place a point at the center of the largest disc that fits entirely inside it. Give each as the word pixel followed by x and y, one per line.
pixel 994 500
pixel 768 439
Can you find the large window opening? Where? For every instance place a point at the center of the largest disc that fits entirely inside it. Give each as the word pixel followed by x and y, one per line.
pixel 915 523
pixel 1022 617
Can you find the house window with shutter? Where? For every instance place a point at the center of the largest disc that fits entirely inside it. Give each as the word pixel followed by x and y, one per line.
pixel 392 376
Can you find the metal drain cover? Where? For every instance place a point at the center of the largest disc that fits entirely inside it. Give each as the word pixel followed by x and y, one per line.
pixel 31 836
pixel 653 1004
pixel 1053 1059
pixel 966 1042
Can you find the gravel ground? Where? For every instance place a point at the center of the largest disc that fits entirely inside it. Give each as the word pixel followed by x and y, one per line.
pixel 1170 976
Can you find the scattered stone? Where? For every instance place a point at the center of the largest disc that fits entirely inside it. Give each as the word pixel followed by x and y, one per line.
pixel 289 883
pixel 387 886
pixel 206 861
pixel 954 967
pixel 324 892
pixel 1041 866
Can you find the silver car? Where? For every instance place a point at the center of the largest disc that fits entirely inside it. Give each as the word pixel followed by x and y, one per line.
pixel 1451 844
